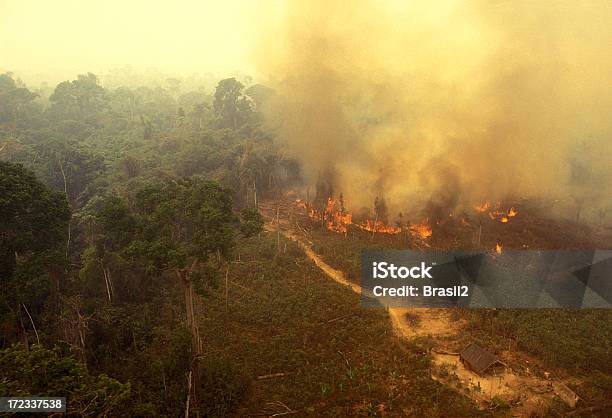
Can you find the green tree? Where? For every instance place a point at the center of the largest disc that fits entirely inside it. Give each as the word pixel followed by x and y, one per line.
pixel 14 99
pixel 33 227
pixel 122 102
pixel 38 371
pixel 261 95
pixel 186 222
pixel 231 105
pixel 251 222
pixel 78 99
pixel 64 166
pixel 111 229
pixel 32 218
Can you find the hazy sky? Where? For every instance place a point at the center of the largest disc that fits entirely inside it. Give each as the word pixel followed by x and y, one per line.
pixel 68 36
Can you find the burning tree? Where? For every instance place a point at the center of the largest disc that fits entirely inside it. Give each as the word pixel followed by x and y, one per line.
pixel 380 209
pixel 323 191
pixel 335 217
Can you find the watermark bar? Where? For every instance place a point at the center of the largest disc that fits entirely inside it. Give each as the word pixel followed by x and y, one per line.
pixel 473 279
pixel 31 404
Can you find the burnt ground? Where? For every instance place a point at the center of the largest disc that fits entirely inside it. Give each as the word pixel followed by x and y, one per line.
pixel 541 352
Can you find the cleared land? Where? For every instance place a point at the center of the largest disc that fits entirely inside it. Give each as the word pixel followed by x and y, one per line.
pixel 299 343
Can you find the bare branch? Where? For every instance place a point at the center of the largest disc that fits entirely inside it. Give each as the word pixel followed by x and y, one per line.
pixel 32 322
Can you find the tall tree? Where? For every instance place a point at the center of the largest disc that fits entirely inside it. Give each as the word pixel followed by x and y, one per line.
pixel 186 222
pixel 64 166
pixel 14 98
pixel 79 99
pixel 32 218
pixel 33 227
pixel 231 105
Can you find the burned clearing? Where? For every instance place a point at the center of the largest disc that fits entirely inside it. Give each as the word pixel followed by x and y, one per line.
pixel 533 345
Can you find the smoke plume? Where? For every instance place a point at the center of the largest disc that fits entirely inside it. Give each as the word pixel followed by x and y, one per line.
pixel 453 102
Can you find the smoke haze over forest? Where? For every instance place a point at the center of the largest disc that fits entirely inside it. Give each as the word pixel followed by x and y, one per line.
pixel 456 101
pixel 449 101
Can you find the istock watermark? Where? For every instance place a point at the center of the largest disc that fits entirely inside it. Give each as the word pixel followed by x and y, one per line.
pixel 383 270
pixel 513 279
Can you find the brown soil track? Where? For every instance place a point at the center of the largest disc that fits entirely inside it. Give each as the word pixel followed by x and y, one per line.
pixel 528 394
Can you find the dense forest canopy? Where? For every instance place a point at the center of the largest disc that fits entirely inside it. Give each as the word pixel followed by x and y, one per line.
pixel 116 204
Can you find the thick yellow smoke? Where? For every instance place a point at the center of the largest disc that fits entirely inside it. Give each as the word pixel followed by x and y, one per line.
pixel 446 101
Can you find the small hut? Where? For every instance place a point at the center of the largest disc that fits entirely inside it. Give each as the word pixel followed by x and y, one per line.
pixel 478 359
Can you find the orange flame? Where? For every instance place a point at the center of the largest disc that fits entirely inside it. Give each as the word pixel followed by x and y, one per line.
pixel 343 218
pixel 338 221
pixel 422 230
pixel 482 207
pixel 503 216
pixel 329 209
pixel 379 226
pixel 340 228
pixel 498 248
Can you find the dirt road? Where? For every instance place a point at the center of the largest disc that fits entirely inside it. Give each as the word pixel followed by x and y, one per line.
pixel 526 394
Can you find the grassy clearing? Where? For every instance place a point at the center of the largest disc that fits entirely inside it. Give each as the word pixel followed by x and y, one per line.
pixel 336 358
pixel 578 341
pixel 344 253
pixel 566 342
